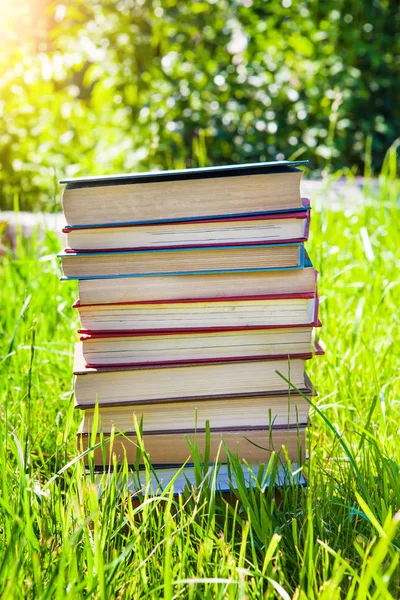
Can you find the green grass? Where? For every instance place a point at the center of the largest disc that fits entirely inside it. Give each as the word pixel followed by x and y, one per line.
pixel 339 538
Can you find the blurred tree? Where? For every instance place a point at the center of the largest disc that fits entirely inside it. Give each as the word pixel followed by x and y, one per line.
pixel 119 85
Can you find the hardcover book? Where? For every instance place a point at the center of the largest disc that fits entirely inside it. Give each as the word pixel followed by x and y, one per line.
pixel 183 261
pixel 252 445
pixel 154 348
pixel 272 228
pixel 140 482
pixel 208 285
pixel 193 314
pixel 234 190
pixel 248 411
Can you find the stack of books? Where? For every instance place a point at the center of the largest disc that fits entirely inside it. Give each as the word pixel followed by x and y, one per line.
pixel 197 303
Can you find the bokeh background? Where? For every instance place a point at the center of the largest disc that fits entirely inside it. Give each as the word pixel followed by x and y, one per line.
pixel 104 86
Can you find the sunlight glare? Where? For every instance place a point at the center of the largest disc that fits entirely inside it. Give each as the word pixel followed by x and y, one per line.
pixel 18 21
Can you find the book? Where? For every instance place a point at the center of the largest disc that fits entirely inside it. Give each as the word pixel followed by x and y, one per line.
pixel 155 481
pixel 128 385
pixel 251 445
pixel 250 411
pixel 183 194
pixel 209 285
pixel 153 348
pixel 197 314
pixel 84 265
pixel 278 227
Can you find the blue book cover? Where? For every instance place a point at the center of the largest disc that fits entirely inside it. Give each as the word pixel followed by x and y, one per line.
pixel 276 166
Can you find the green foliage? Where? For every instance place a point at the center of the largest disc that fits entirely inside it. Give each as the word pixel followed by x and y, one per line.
pixel 120 86
pixel 339 538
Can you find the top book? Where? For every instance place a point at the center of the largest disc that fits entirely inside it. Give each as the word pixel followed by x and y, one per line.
pixel 183 195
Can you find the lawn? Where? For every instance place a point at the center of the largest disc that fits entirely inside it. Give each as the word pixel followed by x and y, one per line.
pixel 338 538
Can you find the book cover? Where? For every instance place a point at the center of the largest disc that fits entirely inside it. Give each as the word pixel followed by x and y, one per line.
pixel 185 174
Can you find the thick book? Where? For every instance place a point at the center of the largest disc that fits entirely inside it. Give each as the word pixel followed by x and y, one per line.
pixel 193 314
pixel 250 411
pixel 209 285
pixel 282 228
pixel 233 190
pixel 186 347
pixel 213 259
pixel 253 445
pixel 128 385
pixel 153 483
